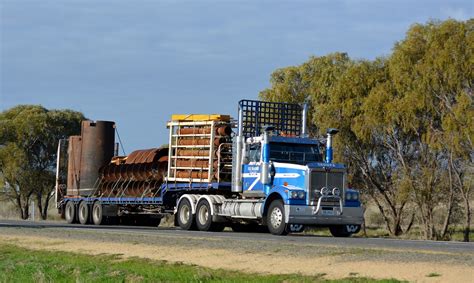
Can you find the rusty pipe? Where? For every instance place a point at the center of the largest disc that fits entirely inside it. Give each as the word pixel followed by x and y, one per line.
pixel 220 130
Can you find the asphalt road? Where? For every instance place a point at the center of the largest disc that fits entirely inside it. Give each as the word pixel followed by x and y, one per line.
pixel 295 239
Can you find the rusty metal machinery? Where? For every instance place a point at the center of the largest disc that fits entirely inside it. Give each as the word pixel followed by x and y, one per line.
pixel 97 149
pixel 87 153
pixel 200 151
pixel 74 165
pixel 200 148
pixel 94 171
pixel 139 174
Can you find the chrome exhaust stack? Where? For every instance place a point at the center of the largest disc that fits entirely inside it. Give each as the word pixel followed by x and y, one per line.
pixel 237 158
pixel 330 132
pixel 304 121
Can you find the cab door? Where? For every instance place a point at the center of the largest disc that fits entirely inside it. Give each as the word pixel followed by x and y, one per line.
pixel 251 184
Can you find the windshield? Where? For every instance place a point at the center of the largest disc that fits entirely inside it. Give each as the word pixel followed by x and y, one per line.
pixel 295 153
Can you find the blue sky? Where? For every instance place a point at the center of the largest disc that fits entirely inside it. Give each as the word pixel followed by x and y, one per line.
pixel 138 62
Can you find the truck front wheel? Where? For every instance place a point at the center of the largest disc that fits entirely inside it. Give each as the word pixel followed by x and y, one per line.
pixel 276 218
pixel 70 212
pixel 185 215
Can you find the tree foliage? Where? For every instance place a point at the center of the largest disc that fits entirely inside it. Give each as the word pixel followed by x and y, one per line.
pixel 29 136
pixel 406 121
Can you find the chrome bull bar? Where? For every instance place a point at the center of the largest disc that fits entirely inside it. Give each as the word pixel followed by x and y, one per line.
pixel 321 198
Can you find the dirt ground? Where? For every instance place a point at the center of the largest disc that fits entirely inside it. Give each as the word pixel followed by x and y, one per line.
pixel 334 263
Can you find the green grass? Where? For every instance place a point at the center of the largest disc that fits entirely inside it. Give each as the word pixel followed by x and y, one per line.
pixel 23 265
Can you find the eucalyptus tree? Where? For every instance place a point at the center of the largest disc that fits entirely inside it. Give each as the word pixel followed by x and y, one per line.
pixel 29 136
pixel 406 121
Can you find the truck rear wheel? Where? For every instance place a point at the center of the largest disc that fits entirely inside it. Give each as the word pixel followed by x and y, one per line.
pixel 204 218
pixel 185 215
pixel 70 212
pixel 83 213
pixel 97 213
pixel 276 218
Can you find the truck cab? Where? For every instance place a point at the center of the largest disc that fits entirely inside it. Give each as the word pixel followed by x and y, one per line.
pixel 297 183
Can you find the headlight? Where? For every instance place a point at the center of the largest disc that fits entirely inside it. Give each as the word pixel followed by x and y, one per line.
pixel 355 196
pixel 348 196
pixel 336 192
pixel 352 196
pixel 294 194
pixel 301 194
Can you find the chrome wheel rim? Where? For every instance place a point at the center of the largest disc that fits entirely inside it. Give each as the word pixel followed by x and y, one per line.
pixel 203 214
pixel 276 217
pixel 184 214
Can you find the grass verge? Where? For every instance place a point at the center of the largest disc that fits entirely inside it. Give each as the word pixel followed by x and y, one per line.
pixel 24 265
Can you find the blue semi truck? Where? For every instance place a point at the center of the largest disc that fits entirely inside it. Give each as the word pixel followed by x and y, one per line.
pixel 260 170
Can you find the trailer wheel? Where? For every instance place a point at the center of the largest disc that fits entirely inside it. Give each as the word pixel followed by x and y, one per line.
pixel 185 215
pixel 276 218
pixel 70 212
pixel 83 213
pixel 97 213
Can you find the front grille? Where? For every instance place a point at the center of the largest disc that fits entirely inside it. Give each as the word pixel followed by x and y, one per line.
pixel 328 179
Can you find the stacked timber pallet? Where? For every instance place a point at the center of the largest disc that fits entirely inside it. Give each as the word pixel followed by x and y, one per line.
pixel 200 148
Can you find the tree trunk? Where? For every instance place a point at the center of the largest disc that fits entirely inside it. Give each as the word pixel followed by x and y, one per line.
pixel 39 199
pixel 23 207
pixel 447 219
pixel 467 219
pixel 397 228
pixel 25 210
pixel 44 212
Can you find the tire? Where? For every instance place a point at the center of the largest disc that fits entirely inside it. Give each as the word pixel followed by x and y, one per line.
pixel 295 228
pixel 185 215
pixel 83 213
pixel 276 218
pixel 70 212
pixel 98 214
pixel 204 218
pixel 343 231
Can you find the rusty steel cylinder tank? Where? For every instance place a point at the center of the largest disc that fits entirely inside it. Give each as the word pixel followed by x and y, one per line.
pixel 74 165
pixel 98 144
